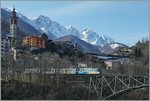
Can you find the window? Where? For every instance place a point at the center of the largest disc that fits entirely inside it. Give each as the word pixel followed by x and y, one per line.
pixel 6 47
pixel 41 43
pixel 6 50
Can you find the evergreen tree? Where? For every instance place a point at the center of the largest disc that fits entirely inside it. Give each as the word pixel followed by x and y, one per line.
pixel 136 52
pixel 138 43
pixel 140 54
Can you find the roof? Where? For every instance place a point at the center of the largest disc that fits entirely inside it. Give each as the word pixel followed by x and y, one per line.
pixel 33 37
pixel 38 35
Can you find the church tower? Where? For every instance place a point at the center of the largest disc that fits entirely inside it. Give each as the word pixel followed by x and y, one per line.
pixel 13 29
pixel 13 24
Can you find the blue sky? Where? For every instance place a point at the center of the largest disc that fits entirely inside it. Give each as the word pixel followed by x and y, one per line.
pixel 124 21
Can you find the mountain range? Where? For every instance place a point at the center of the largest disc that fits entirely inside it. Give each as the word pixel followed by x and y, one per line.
pixel 89 40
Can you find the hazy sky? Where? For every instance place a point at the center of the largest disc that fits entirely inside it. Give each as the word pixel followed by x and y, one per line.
pixel 124 21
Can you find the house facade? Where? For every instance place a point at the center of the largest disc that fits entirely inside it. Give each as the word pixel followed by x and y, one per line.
pixel 82 64
pixel 5 46
pixel 33 41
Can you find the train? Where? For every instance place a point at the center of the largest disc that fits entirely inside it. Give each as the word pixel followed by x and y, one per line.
pixel 84 71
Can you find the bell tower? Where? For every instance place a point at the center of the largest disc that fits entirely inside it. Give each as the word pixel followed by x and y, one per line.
pixel 13 24
pixel 13 29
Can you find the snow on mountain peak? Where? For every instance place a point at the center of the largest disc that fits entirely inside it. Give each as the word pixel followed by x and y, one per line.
pixel 107 39
pixel 94 38
pixel 113 46
pixel 53 27
pixel 42 21
pixel 89 35
pixel 70 27
pixel 73 31
pixel 103 37
pixel 32 18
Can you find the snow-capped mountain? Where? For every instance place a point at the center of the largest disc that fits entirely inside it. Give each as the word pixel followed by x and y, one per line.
pixel 53 28
pixel 115 45
pixel 95 39
pixel 112 47
pixel 73 31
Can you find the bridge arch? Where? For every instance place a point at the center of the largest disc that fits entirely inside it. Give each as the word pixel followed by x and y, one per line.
pixel 125 91
pixel 107 87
